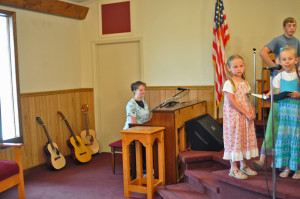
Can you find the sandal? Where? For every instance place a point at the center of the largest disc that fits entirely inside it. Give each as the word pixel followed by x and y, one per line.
pixel 237 174
pixel 257 164
pixel 296 175
pixel 246 170
pixel 285 173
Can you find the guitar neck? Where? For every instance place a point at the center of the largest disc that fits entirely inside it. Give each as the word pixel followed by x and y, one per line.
pixel 49 139
pixel 86 124
pixel 71 131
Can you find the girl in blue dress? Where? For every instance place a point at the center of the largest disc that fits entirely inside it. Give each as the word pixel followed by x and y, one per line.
pixel 287 146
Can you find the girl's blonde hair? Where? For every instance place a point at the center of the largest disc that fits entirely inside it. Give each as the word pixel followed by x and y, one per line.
pixel 294 50
pixel 288 48
pixel 229 73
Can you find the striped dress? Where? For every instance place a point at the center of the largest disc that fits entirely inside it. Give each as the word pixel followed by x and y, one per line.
pixel 287 147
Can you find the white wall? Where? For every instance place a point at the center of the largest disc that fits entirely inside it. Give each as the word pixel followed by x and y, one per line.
pixel 56 52
pixel 48 50
pixel 177 36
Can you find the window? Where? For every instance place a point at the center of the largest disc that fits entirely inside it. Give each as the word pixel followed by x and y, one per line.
pixel 10 120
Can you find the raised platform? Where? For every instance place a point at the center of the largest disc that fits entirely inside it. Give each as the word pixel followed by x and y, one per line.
pixel 206 176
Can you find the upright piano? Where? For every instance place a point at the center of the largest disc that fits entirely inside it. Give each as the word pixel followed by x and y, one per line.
pixel 174 118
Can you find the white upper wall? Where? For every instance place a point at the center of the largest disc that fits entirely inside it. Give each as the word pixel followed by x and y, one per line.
pixel 177 36
pixel 55 52
pixel 48 50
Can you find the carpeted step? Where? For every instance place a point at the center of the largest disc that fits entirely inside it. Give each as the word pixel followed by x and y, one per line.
pixel 192 159
pixel 255 186
pixel 180 190
pixel 204 181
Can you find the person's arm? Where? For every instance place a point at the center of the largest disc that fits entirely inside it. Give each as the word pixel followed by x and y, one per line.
pixel 234 104
pixel 294 94
pixel 131 120
pixel 274 92
pixel 264 53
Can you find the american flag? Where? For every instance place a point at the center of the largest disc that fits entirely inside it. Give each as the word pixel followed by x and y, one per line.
pixel 221 38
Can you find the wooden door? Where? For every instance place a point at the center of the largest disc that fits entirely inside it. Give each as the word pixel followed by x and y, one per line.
pixel 118 65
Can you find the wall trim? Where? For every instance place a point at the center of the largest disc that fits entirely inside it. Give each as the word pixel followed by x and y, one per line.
pixel 33 94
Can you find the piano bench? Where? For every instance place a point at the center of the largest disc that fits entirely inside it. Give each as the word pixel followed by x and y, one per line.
pixel 115 147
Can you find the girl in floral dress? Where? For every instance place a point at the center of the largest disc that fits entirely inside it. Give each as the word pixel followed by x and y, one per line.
pixel 238 120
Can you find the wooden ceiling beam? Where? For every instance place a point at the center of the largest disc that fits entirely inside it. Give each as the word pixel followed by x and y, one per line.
pixel 50 6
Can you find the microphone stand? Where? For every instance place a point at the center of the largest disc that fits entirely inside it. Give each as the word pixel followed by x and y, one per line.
pixel 161 105
pixel 179 92
pixel 254 54
pixel 273 139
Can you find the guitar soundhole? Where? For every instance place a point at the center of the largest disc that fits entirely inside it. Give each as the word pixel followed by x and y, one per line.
pixel 90 138
pixel 83 153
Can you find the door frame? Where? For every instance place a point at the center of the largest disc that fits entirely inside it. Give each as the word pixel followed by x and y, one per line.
pixel 96 70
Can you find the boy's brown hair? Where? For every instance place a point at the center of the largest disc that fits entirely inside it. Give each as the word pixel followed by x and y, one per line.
pixel 289 20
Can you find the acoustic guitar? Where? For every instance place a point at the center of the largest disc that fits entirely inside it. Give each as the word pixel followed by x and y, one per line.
pixel 55 160
pixel 79 152
pixel 88 135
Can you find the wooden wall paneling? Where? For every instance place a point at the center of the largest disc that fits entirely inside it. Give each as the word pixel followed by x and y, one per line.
pixel 62 129
pixel 162 97
pixel 10 154
pixel 78 113
pixel 37 139
pixel 84 98
pixel 70 113
pixel 53 123
pixel 28 109
pixel 193 95
pixel 3 154
pixel 92 110
pixel 147 98
pixel 46 105
pixel 185 98
pixel 200 95
pixel 208 96
pixel 65 131
pixel 154 98
pixel 169 93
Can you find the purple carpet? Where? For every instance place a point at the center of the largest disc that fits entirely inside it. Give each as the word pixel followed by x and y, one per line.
pixel 88 181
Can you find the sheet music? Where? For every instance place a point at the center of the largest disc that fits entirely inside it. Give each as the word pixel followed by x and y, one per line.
pixel 259 96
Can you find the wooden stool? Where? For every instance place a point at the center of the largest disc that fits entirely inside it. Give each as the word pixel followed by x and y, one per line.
pixel 145 135
pixel 115 147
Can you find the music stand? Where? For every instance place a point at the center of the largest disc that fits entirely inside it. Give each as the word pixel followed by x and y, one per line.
pixel 169 101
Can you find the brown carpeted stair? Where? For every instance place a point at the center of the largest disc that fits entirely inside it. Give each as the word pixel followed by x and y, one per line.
pixel 206 176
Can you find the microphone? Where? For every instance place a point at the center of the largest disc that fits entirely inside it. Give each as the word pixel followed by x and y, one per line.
pixel 277 67
pixel 182 89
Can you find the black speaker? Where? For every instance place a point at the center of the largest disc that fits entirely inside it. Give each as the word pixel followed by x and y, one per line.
pixel 204 134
